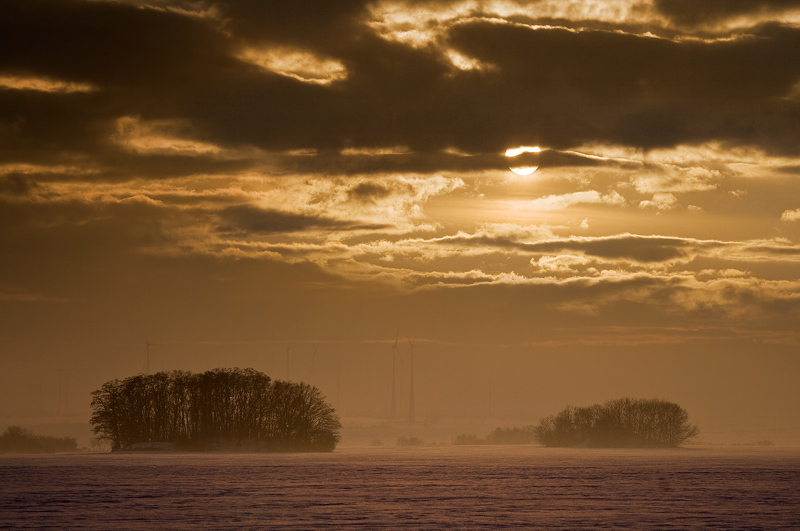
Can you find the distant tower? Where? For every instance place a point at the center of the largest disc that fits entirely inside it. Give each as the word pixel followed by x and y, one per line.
pixel 395 352
pixel 339 385
pixel 411 412
pixel 147 348
pixel 313 362
pixel 63 392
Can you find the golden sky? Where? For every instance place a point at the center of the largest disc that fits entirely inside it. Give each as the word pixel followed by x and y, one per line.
pixel 230 178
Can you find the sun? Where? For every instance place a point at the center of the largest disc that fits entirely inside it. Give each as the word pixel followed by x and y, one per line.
pixel 523 170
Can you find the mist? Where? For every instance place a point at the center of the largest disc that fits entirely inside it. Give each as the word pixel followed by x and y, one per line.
pixel 457 388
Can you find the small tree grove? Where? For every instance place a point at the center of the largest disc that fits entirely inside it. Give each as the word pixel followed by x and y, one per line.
pixel 202 411
pixel 625 422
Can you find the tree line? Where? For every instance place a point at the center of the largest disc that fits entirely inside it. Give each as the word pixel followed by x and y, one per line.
pixel 625 422
pixel 222 406
pixel 523 435
pixel 18 440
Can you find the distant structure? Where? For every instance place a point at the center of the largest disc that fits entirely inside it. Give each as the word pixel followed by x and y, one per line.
pixel 395 353
pixel 313 362
pixel 63 392
pixel 411 412
pixel 147 349
pixel 147 346
pixel 339 382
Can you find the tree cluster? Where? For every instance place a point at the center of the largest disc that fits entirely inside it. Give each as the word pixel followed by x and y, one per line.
pixel 17 440
pixel 409 441
pixel 524 435
pixel 625 422
pixel 214 408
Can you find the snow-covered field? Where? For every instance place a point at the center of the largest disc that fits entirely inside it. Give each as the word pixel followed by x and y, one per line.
pixel 440 487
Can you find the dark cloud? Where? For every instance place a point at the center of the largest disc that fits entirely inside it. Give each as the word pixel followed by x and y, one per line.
pixel 263 221
pixel 645 249
pixel 335 163
pixel 552 87
pixel 635 247
pixel 119 165
pixel 631 247
pixel 44 128
pixel 692 13
pixel 138 61
pixel 368 192
pixel 791 170
pixel 16 184
pixel 574 87
pixel 109 44
pixel 318 24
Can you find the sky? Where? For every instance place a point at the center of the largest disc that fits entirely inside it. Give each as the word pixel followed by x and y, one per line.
pixel 554 202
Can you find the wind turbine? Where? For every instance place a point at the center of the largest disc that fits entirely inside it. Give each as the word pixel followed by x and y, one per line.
pixel 313 361
pixel 60 389
pixel 147 349
pixel 411 416
pixel 395 353
pixel 339 384
pixel 63 390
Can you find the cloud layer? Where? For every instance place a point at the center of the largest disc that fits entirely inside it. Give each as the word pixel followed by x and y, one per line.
pixel 363 144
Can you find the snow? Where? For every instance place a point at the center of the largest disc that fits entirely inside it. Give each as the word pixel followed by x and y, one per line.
pixel 480 487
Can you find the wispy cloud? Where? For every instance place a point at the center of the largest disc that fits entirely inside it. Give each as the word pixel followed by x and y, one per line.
pixel 561 202
pixel 43 84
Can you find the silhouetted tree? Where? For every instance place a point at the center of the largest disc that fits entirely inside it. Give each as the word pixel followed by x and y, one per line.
pixel 618 423
pixel 223 405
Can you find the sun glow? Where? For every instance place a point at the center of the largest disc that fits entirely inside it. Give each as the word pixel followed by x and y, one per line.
pixel 298 64
pixel 523 170
pixel 513 152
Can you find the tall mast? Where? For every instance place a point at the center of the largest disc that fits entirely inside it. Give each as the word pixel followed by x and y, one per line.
pixel 411 412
